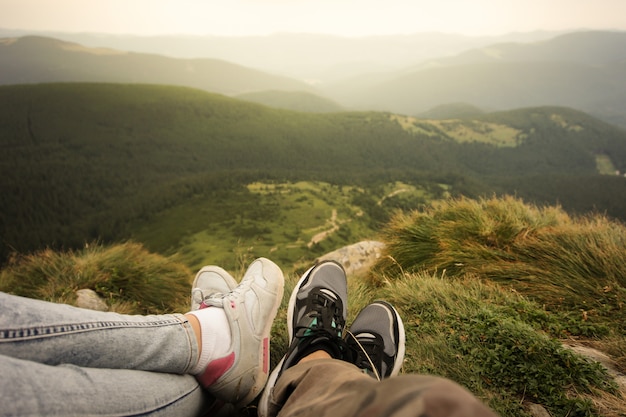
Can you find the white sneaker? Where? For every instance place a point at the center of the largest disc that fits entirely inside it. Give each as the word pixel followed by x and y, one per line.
pixel 212 281
pixel 240 375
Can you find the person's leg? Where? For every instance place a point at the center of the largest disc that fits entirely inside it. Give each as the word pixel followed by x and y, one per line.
pixel 55 334
pixel 330 387
pixel 375 345
pixel 33 389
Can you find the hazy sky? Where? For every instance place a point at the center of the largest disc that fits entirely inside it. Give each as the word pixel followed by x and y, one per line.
pixel 341 17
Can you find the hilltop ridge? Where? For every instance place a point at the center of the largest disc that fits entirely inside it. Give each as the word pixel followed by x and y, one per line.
pixel 35 59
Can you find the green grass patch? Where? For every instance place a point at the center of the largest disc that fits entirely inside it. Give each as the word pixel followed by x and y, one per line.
pixel 571 267
pixel 479 131
pixel 564 262
pixel 605 165
pixel 494 342
pixel 560 121
pixel 462 131
pixel 288 222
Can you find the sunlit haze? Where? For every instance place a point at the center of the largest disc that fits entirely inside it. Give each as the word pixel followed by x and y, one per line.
pixel 338 17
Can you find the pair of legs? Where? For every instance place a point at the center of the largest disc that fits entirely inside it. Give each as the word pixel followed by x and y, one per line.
pixel 56 359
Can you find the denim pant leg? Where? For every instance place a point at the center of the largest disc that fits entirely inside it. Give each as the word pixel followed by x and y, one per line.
pixel 57 359
pixel 33 389
pixel 54 334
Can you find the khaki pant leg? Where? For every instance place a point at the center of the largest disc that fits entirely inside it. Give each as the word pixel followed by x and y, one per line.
pixel 333 388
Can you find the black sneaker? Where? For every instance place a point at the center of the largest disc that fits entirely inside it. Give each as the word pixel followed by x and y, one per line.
pixel 316 318
pixel 377 340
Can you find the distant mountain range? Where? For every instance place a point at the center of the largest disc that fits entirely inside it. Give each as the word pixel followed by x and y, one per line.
pixel 33 59
pixel 582 70
pixel 312 57
pixel 589 48
pixel 586 71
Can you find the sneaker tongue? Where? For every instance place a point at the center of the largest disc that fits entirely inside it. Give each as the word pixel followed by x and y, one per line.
pixel 305 302
pixel 369 345
pixel 308 331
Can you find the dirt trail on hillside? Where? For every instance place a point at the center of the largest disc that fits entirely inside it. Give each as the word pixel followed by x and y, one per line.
pixel 323 235
pixel 391 194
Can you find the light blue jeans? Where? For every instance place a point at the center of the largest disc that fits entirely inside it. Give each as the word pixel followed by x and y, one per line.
pixel 61 360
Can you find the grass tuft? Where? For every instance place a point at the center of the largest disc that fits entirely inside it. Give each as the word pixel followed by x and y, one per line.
pixel 572 264
pixel 129 278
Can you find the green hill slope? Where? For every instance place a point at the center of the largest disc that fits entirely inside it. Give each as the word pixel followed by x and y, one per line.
pixel 33 59
pixel 81 162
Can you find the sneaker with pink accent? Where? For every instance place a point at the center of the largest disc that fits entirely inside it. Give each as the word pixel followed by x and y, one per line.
pixel 212 281
pixel 240 375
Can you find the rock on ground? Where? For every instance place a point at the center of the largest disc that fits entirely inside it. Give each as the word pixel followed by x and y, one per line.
pixel 87 298
pixel 358 258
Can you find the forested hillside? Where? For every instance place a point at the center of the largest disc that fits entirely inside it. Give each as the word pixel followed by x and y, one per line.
pixel 91 161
